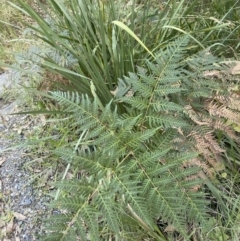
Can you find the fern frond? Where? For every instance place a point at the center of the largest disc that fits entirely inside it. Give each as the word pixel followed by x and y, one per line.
pixel 207 146
pixel 109 209
pixel 149 156
pixel 223 111
pixel 166 90
pixel 221 125
pixel 85 161
pixel 234 101
pixel 76 205
pixel 165 121
pixel 155 181
pixel 205 167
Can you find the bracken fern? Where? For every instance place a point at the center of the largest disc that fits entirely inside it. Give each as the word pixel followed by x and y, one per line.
pixel 140 170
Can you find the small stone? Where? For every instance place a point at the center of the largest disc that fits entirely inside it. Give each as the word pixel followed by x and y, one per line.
pixel 26 202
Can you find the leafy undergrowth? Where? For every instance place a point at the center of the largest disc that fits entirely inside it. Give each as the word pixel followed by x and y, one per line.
pixel 143 119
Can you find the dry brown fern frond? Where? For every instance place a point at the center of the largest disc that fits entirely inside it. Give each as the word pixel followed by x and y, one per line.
pixel 207 122
pixel 208 148
pixel 212 123
pixel 207 169
pixel 206 160
pixel 213 144
pixel 218 124
pixel 235 103
pixel 232 100
pixel 223 111
pixel 194 116
pixel 221 125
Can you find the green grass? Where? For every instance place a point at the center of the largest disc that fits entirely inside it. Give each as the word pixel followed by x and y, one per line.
pixel 86 46
pixel 11 32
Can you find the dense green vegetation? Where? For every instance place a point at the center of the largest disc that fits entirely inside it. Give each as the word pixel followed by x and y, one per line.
pixel 143 117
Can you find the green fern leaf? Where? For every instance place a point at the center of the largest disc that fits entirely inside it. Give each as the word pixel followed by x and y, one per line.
pixel 137 169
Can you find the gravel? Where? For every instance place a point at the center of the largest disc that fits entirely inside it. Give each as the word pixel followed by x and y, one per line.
pixel 22 205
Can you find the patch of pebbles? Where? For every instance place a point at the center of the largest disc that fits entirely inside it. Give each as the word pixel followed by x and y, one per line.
pixel 20 201
pixel 21 205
